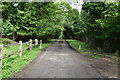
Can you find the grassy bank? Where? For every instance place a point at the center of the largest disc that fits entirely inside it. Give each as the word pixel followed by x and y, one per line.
pixel 87 50
pixel 6 41
pixel 15 63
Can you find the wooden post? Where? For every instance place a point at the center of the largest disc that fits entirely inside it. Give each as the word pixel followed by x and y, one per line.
pixel 36 42
pixel 79 47
pixel 20 51
pixel 13 37
pixel 30 44
pixel 1 52
pixel 40 44
pixel 86 39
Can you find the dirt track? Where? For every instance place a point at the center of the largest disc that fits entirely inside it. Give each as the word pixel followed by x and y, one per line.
pixel 59 61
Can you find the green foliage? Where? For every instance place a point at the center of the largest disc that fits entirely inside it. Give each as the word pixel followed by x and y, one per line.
pixel 100 22
pixel 38 19
pixel 52 40
pixel 8 28
pixel 6 41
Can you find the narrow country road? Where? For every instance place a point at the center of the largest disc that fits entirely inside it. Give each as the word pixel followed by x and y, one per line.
pixel 59 61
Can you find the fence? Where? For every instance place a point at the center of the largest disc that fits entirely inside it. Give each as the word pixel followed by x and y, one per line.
pixel 30 43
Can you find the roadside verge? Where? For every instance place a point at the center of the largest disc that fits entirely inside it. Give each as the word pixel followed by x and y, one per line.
pixel 14 64
pixel 105 64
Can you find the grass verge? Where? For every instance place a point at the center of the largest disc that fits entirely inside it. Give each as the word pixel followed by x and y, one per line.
pixel 15 63
pixel 85 49
pixel 52 40
pixel 11 49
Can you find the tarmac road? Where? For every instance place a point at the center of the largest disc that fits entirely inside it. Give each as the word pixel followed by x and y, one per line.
pixel 59 61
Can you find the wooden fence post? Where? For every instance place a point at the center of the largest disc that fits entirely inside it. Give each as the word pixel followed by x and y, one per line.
pixel 36 42
pixel 79 47
pixel 40 44
pixel 20 51
pixel 30 44
pixel 1 51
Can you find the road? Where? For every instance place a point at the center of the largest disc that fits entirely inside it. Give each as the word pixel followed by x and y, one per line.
pixel 59 61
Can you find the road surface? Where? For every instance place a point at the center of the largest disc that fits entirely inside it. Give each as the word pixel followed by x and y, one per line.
pixel 59 61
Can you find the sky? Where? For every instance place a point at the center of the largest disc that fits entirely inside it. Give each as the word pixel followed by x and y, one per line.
pixel 74 4
pixel 77 5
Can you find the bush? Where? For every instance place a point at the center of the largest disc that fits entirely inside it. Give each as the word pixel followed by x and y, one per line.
pixel 4 41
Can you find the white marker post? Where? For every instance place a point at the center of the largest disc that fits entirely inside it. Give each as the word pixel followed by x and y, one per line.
pixel 1 52
pixel 79 47
pixel 20 50
pixel 30 44
pixel 40 44
pixel 36 42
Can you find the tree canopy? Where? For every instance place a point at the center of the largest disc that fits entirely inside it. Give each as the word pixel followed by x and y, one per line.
pixel 98 22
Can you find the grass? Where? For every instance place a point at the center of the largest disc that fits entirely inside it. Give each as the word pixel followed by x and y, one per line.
pixel 85 49
pixel 15 63
pixel 52 40
pixel 0 70
pixel 75 44
pixel 6 41
pixel 11 49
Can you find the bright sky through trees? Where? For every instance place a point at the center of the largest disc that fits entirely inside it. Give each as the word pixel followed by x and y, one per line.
pixel 77 5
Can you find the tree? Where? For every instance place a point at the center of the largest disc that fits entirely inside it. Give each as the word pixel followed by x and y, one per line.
pixel 103 26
